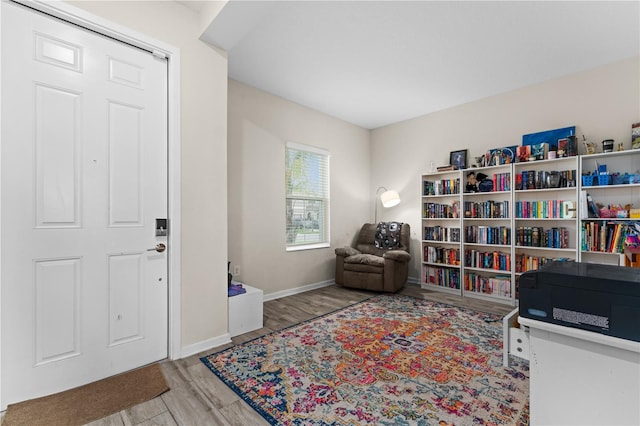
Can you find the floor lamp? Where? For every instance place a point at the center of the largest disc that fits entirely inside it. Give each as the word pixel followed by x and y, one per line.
pixel 388 198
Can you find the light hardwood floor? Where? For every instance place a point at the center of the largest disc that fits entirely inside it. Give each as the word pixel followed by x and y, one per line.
pixel 198 397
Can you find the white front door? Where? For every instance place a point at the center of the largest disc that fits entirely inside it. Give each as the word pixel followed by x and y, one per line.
pixel 83 180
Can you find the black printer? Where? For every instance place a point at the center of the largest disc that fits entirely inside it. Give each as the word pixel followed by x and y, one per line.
pixel 600 298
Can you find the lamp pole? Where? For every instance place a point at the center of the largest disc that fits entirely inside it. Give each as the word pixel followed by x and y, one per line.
pixel 375 217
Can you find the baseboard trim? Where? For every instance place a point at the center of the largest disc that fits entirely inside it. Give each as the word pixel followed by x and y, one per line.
pixel 205 345
pixel 413 280
pixel 297 290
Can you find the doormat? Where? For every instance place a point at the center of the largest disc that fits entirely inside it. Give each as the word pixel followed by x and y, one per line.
pixel 89 402
pixel 390 360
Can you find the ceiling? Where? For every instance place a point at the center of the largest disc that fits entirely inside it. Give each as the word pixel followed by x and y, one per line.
pixel 378 63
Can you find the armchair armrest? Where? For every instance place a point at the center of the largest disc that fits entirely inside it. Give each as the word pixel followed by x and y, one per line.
pixel 397 255
pixel 346 251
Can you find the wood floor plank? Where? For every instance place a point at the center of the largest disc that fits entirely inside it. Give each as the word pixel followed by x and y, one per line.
pixel 240 413
pixel 164 419
pixel 175 374
pixel 147 410
pixel 112 420
pixel 219 394
pixel 188 409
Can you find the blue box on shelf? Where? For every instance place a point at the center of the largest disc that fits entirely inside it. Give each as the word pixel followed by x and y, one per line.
pixel 587 180
pixel 604 179
pixel 619 179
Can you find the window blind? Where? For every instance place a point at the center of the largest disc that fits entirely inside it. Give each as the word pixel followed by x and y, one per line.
pixel 307 196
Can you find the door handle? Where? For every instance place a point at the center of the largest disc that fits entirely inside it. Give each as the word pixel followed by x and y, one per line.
pixel 160 247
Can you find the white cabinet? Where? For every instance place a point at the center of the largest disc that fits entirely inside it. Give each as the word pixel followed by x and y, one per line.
pixel 579 377
pixel 245 311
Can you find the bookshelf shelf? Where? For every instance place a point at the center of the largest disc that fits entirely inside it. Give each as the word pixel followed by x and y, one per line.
pixel 481 194
pixel 486 245
pixel 441 242
pixel 488 270
pixel 549 219
pixel 530 191
pixel 600 252
pixel 606 187
pixel 441 288
pixel 443 265
pixel 487 219
pixel 488 296
pixel 565 250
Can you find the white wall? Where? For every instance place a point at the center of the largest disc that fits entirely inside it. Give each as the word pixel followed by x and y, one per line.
pixel 259 126
pixel 601 103
pixel 204 158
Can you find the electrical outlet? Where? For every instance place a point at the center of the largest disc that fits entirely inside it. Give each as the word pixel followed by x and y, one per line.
pixel 236 270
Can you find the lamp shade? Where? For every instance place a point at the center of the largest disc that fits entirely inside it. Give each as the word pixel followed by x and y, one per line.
pixel 390 198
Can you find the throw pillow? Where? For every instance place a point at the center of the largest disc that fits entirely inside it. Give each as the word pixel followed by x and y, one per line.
pixel 388 235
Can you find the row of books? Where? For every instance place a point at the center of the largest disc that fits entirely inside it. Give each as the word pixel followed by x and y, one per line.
pixel 494 285
pixel 608 237
pixel 441 211
pixel 493 260
pixel 542 179
pixel 502 181
pixel 442 233
pixel 488 234
pixel 486 209
pixel 441 187
pixel 443 277
pixel 447 256
pixel 537 236
pixel 526 262
pixel 545 209
pixel 487 260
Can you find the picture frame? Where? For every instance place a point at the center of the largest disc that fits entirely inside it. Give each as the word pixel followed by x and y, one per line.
pixel 458 159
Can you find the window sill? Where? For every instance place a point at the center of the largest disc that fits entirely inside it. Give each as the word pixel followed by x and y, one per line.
pixel 308 247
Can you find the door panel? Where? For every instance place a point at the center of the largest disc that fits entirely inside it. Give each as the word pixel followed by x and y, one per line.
pixel 126 286
pixel 57 291
pixel 57 121
pixel 125 171
pixel 83 178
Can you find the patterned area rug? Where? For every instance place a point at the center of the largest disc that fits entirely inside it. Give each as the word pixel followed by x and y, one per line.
pixel 390 360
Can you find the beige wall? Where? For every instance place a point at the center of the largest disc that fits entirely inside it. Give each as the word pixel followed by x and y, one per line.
pixel 601 103
pixel 204 158
pixel 259 126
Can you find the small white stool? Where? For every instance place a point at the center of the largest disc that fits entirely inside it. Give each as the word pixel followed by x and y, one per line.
pixel 245 311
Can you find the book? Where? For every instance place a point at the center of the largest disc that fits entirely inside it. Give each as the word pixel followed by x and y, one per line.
pixel 523 153
pixel 540 151
pixel 635 136
pixel 593 209
pixel 447 168
pixel 584 209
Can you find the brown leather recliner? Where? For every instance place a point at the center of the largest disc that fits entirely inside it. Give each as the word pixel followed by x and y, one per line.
pixel 368 267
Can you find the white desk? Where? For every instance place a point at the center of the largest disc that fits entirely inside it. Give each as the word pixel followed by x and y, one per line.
pixel 580 377
pixel 245 311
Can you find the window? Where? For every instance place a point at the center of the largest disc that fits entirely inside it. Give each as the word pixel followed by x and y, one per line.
pixel 307 192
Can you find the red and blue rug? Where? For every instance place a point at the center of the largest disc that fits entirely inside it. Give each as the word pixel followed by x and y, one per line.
pixel 390 360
